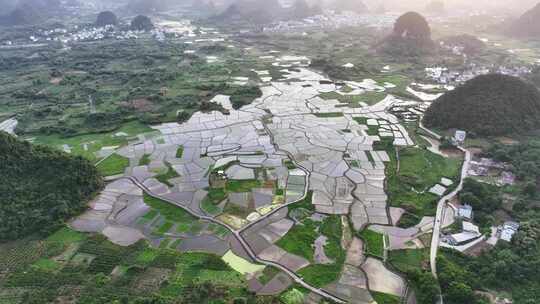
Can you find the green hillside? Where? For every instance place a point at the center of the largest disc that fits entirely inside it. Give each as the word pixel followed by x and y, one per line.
pixel 488 105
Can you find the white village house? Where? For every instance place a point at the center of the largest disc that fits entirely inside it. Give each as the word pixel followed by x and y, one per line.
pixel 465 212
pixel 508 230
pixel 470 232
pixel 459 137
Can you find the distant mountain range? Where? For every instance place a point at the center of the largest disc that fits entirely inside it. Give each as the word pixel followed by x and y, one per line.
pixel 8 5
pixel 436 7
pixel 356 6
pixel 150 6
pixel 31 11
pixel 265 11
pixel 255 11
pixel 528 25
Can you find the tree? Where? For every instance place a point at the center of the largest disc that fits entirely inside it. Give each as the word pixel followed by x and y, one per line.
pixel 182 116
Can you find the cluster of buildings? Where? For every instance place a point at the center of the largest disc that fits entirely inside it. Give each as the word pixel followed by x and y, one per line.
pixel 471 233
pixel 443 75
pixel 83 34
pixel 409 112
pixel 455 49
pixel 507 230
pixel 91 34
pixel 485 167
pixel 332 20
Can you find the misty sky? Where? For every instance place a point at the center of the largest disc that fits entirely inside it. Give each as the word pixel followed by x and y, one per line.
pixel 503 6
pixel 516 6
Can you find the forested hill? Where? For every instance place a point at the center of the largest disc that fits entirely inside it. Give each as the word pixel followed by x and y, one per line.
pixel 488 105
pixel 41 187
pixel 411 37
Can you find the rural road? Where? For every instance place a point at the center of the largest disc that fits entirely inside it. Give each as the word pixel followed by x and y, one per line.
pixel 440 212
pixel 442 203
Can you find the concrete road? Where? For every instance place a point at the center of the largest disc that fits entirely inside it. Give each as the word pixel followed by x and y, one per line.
pixel 440 212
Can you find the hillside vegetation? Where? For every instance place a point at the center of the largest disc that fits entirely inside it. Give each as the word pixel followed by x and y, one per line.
pixel 41 187
pixel 488 105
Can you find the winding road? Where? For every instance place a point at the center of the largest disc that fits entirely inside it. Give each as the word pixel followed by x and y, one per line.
pixel 440 212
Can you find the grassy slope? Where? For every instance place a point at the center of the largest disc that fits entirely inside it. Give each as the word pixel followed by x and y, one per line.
pixel 94 142
pixel 409 259
pixel 113 165
pixel 419 170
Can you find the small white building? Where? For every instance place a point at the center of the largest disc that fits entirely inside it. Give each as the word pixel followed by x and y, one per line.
pixel 470 232
pixel 461 238
pixel 459 137
pixel 508 230
pixel 470 227
pixel 465 212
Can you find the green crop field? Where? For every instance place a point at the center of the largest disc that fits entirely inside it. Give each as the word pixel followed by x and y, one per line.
pixel 419 170
pixel 113 165
pixel 409 259
pixel 374 242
